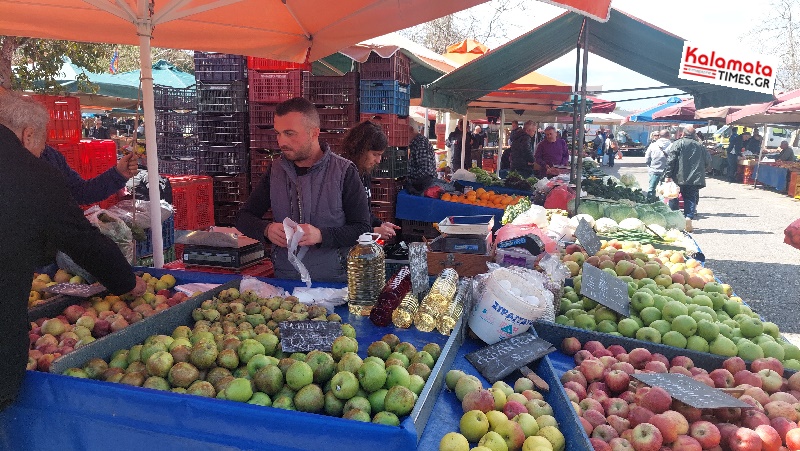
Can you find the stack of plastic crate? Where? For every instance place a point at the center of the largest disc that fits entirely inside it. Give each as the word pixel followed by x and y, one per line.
pixel 336 98
pixel 385 95
pixel 222 127
pixel 176 130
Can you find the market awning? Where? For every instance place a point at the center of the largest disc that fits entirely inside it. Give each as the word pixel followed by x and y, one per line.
pixel 624 39
pixel 683 111
pixel 716 113
pixel 647 115
pixel 777 111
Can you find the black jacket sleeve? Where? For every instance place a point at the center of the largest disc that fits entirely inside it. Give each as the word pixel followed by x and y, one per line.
pixel 250 220
pixel 356 212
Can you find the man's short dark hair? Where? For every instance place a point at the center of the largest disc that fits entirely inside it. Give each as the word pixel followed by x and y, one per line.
pixel 746 133
pixel 299 105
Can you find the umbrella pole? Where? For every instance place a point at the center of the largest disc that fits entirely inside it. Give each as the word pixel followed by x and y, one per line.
pixel 579 169
pixel 501 140
pixel 464 142
pixel 575 148
pixel 760 152
pixel 145 30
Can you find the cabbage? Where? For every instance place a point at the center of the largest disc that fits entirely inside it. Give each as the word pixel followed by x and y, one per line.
pixel 660 230
pixel 577 219
pixel 675 220
pixel 654 219
pixel 632 224
pixel 589 208
pixel 628 180
pixel 660 207
pixel 673 235
pixel 605 225
pixel 620 212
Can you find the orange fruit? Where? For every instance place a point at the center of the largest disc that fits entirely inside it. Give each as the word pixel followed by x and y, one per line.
pixel 446 196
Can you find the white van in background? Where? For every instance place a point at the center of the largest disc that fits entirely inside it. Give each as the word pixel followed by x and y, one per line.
pixel 772 139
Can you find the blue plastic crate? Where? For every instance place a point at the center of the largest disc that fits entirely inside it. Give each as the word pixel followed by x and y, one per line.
pixel 385 96
pixel 167 233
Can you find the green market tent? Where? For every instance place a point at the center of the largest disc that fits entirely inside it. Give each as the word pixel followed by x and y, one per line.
pixel 624 39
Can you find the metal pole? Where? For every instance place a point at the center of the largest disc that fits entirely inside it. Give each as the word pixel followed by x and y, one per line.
pixel 579 170
pixel 427 124
pixel 572 169
pixel 501 139
pixel 464 141
pixel 760 152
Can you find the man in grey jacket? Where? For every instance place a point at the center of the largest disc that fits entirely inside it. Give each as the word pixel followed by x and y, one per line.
pixel 686 164
pixel 656 160
pixel 317 189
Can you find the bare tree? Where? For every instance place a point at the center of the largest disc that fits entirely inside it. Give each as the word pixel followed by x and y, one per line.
pixel 779 35
pixel 129 58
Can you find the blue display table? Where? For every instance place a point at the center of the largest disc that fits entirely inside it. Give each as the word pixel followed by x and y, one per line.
pixel 418 208
pixel 773 176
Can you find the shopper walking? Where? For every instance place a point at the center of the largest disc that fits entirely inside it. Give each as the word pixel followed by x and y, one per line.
pixel 734 147
pixel 656 159
pixel 686 165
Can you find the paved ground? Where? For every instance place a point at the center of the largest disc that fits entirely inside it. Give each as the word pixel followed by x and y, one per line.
pixel 740 231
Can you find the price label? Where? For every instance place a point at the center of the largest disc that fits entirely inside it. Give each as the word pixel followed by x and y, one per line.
pixel 499 360
pixel 606 289
pixel 691 392
pixel 304 336
pixel 587 237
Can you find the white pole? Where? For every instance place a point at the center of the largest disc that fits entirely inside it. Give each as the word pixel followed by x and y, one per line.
pixel 501 140
pixel 427 124
pixel 464 141
pixel 145 29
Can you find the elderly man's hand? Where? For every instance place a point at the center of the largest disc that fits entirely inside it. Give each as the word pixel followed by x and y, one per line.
pixel 128 165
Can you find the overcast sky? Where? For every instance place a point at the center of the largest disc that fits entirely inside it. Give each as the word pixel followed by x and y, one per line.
pixel 715 22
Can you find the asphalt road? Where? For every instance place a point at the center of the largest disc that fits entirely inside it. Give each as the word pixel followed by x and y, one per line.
pixel 740 231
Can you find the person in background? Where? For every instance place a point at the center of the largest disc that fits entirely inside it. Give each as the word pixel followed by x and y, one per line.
pixel 516 131
pixel 601 150
pixel 612 147
pixel 514 128
pixel 317 189
pixel 757 137
pixel 99 131
pixel 686 165
pixel 477 140
pixel 656 160
pixel 455 141
pixel 521 156
pixel 40 217
pixel 421 161
pixel 734 144
pixel 787 153
pixel 700 136
pixel 551 152
pixel 364 145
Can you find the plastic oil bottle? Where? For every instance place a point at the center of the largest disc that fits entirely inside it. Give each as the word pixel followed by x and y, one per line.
pixel 366 274
pixel 447 322
pixel 403 315
pixel 436 302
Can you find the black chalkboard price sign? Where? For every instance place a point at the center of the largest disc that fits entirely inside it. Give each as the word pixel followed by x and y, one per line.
pixel 499 360
pixel 587 237
pixel 606 289
pixel 304 336
pixel 691 392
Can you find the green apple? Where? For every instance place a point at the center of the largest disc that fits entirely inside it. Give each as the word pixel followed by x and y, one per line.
pixel 684 324
pixel 717 299
pixel 537 443
pixel 713 287
pixel 751 327
pixel 748 350
pixel 707 329
pixel 703 300
pixel 674 309
pixel 554 436
pixel 697 343
pixel 709 310
pixel 495 417
pixel 763 338
pixel 676 294
pixel 732 308
pixel 662 326
pixel 724 330
pixel 529 424
pixel 546 420
pixel 771 329
pixel 641 299
pixel 499 398
pixel 606 326
pixel 700 315
pixel 791 352
pixel 493 441
pixel 792 364
pixel 453 441
pixel 675 339
pixel 723 346
pixel 562 320
pixel 571 314
pixel 773 349
pixel 585 321
pixel 588 304
pixel 632 288
pixel 648 334
pixel 649 314
pixel 603 313
pixel 628 327
pixel 474 425
pixel 660 301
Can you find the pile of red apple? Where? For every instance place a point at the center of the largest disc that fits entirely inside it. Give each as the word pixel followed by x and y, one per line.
pixel 80 324
pixel 619 413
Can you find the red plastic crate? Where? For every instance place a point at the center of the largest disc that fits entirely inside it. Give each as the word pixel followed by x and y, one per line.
pixel 71 153
pixel 260 163
pixel 384 190
pixel 395 127
pixel 263 138
pixel 383 211
pixel 274 87
pixel 97 156
pixel 262 114
pixel 193 200
pixel 65 118
pixel 268 65
pixel 396 67
pixel 334 141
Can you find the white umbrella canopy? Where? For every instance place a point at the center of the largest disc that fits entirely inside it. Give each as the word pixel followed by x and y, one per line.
pixel 290 30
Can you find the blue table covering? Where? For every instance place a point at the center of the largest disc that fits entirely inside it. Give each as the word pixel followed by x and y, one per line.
pixel 418 208
pixel 773 176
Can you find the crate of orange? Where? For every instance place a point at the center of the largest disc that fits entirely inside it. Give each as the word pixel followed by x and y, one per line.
pixel 482 198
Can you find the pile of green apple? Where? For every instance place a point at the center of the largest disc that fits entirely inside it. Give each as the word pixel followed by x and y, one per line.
pixel 233 352
pixel 676 309
pixel 501 418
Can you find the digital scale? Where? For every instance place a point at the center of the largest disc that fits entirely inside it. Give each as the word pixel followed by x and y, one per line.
pixel 221 247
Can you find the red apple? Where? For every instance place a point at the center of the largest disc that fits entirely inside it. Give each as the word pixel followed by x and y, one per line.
pixel 697 370
pixel 728 414
pixel 574 375
pixel 482 400
pixel 726 430
pixel 655 367
pixel 680 370
pixel 746 377
pixel 511 409
pixel 627 396
pixel 592 369
pixel 570 345
pixel 616 406
pixel 623 366
pixel 594 417
pixel 43 363
pixel 704 379
pixel 582 355
pixel 625 357
pixel 639 357
pixel 656 400
pixel 752 401
pixel 579 389
pixel 597 386
pixel 705 433
pixel 603 353
pixel 661 358
pixel 591 404
pixel 722 378
pixel 599 445
pixel 686 443
pixel 598 395
pixel 665 425
pixel 618 423
pixel 758 394
pixel 593 345
pixel 682 360
pixel 770 363
pixel 620 444
pixel 638 415
pixel 782 426
pixel 744 439
pixel 794 382
pixel 607 361
pixel 616 350
pixel 572 395
pixel 775 409
pixel 734 365
pixel 605 432
pixel 752 418
pixel 587 427
pixel 647 437
pixel 73 312
pixel 627 435
pixel 617 381
pixel 770 439
pixel 793 439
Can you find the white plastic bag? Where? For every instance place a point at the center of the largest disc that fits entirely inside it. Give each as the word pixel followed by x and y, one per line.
pixel 668 190
pixel 465 175
pixel 293 236
pixel 536 215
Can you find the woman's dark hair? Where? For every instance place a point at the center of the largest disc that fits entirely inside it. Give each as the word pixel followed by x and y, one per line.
pixel 361 139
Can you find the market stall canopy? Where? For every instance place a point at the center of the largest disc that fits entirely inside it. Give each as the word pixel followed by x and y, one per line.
pixel 604 118
pixel 602 106
pixel 596 9
pixel 465 51
pixel 683 111
pixel 716 113
pixel 624 39
pixel 290 30
pixel 164 74
pixel 776 111
pixel 647 115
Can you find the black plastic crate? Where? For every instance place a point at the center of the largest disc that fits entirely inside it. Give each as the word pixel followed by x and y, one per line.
pixel 225 213
pixel 331 89
pixel 333 140
pixel 383 211
pixel 263 138
pixel 217 67
pixel 171 145
pixel 262 114
pixel 174 123
pixel 231 188
pixel 179 166
pixel 222 98
pixel 385 190
pixel 396 67
pixel 385 96
pixel 169 98
pixel 337 117
pixel 231 159
pixel 260 163
pixel 222 129
pixel 409 228
pixel 393 165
